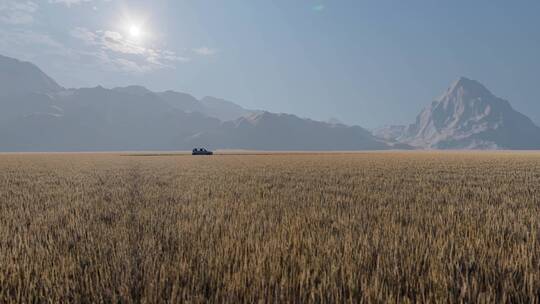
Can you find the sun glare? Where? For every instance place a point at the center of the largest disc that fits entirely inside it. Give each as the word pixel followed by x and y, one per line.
pixel 135 31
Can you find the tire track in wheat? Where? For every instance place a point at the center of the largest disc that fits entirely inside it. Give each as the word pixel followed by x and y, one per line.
pixel 136 283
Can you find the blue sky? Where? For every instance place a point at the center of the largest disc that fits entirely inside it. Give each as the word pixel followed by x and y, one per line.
pixel 364 62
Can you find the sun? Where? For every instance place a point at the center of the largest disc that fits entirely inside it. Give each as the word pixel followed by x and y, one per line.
pixel 135 31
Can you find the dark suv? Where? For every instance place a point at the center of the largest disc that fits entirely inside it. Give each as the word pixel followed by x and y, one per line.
pixel 201 151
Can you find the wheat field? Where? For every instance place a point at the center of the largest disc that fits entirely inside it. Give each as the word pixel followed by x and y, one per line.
pixel 271 228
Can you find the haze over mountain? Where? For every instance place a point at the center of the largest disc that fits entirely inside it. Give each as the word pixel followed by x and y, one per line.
pixel 209 106
pixel 270 131
pixel 37 114
pixel 17 77
pixel 468 116
pixel 390 133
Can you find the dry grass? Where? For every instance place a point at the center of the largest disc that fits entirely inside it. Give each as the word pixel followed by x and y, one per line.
pixel 373 227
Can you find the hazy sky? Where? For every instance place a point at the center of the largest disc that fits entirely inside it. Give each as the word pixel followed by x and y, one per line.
pixel 364 62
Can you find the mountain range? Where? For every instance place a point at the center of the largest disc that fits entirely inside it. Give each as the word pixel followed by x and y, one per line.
pixel 37 114
pixel 467 116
